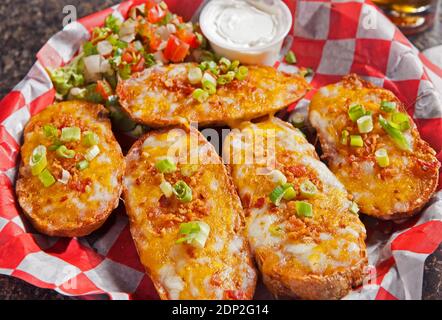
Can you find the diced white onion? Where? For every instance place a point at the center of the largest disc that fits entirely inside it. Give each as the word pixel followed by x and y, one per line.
pixel 65 176
pixel 163 32
pixel 127 31
pixel 92 64
pixel 104 47
pixel 159 57
pixel 171 28
pixel 105 66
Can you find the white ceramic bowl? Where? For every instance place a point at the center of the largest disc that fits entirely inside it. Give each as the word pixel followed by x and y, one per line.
pixel 266 55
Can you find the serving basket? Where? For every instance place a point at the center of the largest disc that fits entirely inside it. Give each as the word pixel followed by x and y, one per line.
pixel 334 38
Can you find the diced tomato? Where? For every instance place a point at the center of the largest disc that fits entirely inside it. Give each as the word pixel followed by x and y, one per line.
pixel 156 14
pixel 154 41
pixel 139 66
pixel 104 89
pixel 127 56
pixel 188 37
pixel 176 50
pixel 150 4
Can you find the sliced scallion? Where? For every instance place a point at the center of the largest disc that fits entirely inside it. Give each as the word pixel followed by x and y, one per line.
pixel 50 131
pixel 82 165
pixel 395 134
pixel 388 106
pixel 382 158
pixel 69 134
pixel 200 95
pixel 90 139
pixel 63 152
pixel 279 192
pixel 356 141
pixel 182 191
pixel 344 137
pixel 195 75
pixel 166 189
pixel 38 160
pixel 304 209
pixel 194 233
pixel 92 153
pixel 166 165
pixel 290 57
pixel 365 124
pixel 402 120
pixel 242 73
pixel 356 111
pixel 46 178
pixel 308 189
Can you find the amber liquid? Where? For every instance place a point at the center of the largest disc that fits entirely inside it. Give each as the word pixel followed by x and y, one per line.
pixel 412 16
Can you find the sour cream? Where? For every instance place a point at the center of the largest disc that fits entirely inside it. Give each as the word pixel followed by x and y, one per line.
pixel 249 30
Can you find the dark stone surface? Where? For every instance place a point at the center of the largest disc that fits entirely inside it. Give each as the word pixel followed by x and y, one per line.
pixel 26 25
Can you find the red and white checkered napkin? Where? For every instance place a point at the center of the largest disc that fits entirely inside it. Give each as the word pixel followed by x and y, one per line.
pixel 334 38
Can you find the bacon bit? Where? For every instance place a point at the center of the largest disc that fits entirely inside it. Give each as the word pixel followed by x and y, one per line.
pixel 297 171
pixel 164 201
pixel 216 280
pixel 427 165
pixel 234 295
pixel 259 203
pixel 79 185
pixel 63 199
pixel 247 200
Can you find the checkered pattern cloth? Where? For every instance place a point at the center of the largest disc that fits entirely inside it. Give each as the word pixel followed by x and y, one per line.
pixel 334 38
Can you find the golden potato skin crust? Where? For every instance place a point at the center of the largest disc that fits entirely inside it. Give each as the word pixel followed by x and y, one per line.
pixel 162 96
pixel 397 191
pixel 322 257
pixel 71 210
pixel 155 220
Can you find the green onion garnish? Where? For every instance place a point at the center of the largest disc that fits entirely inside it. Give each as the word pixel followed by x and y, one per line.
pixel 90 139
pixel 226 78
pixel 242 73
pixel 388 106
pixel 194 233
pixel 278 177
pixel 304 209
pixel 234 65
pixel 195 75
pixel 46 178
pixel 402 120
pixel 166 189
pixel 356 111
pixel 354 208
pixel 382 158
pixel 84 164
pixel 280 192
pixel 290 57
pixel 200 95
pixel 308 189
pixel 356 141
pixel 50 131
pixel 64 152
pixel 209 87
pixel 91 153
pixel 166 165
pixel 224 63
pixel 344 137
pixel 38 160
pixel 365 124
pixel 182 191
pixel 70 134
pixel 395 134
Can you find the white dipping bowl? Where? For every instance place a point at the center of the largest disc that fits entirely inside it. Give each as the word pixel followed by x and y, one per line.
pixel 262 55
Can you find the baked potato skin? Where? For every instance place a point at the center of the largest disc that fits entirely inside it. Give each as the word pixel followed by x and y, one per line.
pixel 85 202
pixel 322 257
pixel 162 96
pixel 397 191
pixel 223 269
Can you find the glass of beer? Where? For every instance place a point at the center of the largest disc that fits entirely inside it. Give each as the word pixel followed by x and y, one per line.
pixel 412 16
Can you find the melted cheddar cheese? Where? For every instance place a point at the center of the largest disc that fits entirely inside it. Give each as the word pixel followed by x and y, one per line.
pixel 82 204
pixel 162 95
pixel 330 242
pixel 395 191
pixel 222 269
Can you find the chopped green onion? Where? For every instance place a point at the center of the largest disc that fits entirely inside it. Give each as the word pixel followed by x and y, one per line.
pixel 50 131
pixel 46 178
pixel 365 124
pixel 304 209
pixel 54 146
pixel 402 120
pixel 195 75
pixel 280 191
pixel 200 95
pixel 234 65
pixel 166 165
pixel 356 111
pixel 69 134
pixel 277 177
pixel 242 73
pixel 209 87
pixel 395 134
pixel 356 141
pixel 64 152
pixel 388 106
pixel 90 138
pixel 166 189
pixel 382 158
pixel 194 233
pixel 224 64
pixel 113 23
pixel 290 57
pixel 182 191
pixel 38 160
pixel 308 189
pixel 297 120
pixel 344 137
pixel 354 208
pixel 276 230
pixel 289 193
pixel 84 164
pixel 226 78
pixel 92 153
